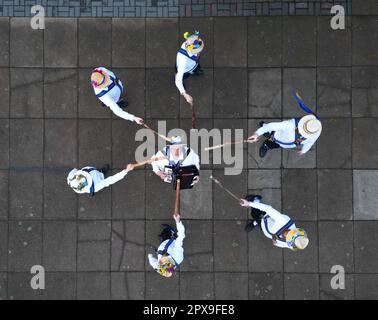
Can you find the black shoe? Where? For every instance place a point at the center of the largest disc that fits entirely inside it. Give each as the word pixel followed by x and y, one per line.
pixel 103 105
pixel 198 72
pixel 250 226
pixel 105 169
pixel 263 150
pixel 122 103
pixel 261 123
pixel 252 197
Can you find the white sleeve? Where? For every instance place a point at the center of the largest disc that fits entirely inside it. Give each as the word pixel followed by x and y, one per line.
pixel 269 210
pixel 179 80
pixel 153 261
pixel 180 234
pixel 110 180
pixel 273 126
pixel 280 244
pixel 117 110
pixel 307 144
pixel 196 160
pixel 157 165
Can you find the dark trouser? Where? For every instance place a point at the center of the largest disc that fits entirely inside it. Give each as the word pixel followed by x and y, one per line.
pixel 271 144
pixel 257 215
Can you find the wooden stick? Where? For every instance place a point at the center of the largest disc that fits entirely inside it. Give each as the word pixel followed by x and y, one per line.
pixel 193 116
pixel 149 161
pixel 160 135
pixel 225 189
pixel 177 201
pixel 225 144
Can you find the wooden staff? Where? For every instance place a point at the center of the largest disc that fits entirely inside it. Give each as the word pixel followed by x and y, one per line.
pixel 224 188
pixel 160 135
pixel 226 144
pixel 149 161
pixel 177 201
pixel 193 115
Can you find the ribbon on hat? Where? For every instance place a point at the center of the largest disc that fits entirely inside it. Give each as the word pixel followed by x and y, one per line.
pixel 302 104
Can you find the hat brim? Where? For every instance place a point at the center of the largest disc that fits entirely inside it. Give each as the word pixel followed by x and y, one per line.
pixel 106 83
pixel 302 123
pixel 197 50
pixel 87 176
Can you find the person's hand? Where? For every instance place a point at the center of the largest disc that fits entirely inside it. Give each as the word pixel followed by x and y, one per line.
pixel 138 120
pixel 188 98
pixel 300 153
pixel 129 167
pixel 161 174
pixel 196 179
pixel 244 203
pixel 177 218
pixel 253 138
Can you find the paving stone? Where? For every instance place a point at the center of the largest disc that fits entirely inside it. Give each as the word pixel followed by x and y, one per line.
pixel 271 160
pixel 25 194
pixel 93 285
pixel 3 286
pixel 94 142
pixel 127 285
pixel 303 81
pixel 4 92
pixel 60 93
pixel 334 92
pixel 128 249
pixel 26 143
pixel 335 194
pixel 335 245
pixel 133 80
pixel 261 104
pixel 94 53
pixel 93 251
pixel 205 27
pixel 365 201
pixel 231 286
pixel 327 293
pixel 301 286
pixel 365 39
pixel 364 91
pixel 299 190
pixel 25 246
pixel 59 245
pixel 154 283
pixel 59 199
pixel 19 287
pixel 195 285
pixel 4 183
pixel 264 41
pixel 3 248
pixel 60 286
pixel 4 144
pixel 305 260
pixel 161 42
pixel 363 139
pixel 163 100
pixel 333 46
pixel 263 255
pixel 335 152
pixel 4 35
pixel 89 105
pixel 364 7
pixel 26 44
pixel 230 246
pixel 127 34
pixel 60 152
pixel 365 286
pixel 196 203
pixel 299 49
pixel 225 207
pixel 60 42
pixel 128 197
pixel 26 93
pixel 290 158
pixel 261 179
pixel 198 246
pixel 234 54
pixel 201 89
pixel 271 196
pixel 265 286
pixel 365 234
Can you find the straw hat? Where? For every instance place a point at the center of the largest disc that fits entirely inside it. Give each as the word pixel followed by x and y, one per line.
pixel 297 239
pixel 78 180
pixel 100 79
pixel 176 141
pixel 193 44
pixel 309 126
pixel 166 266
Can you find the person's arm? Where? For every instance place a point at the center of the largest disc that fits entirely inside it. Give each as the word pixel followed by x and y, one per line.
pixel 179 81
pixel 180 232
pixel 110 180
pixel 153 261
pixel 307 144
pixel 273 126
pixel 280 244
pixel 269 210
pixel 157 165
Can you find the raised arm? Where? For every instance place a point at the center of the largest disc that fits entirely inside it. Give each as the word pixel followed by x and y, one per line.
pixel 273 126
pixel 110 180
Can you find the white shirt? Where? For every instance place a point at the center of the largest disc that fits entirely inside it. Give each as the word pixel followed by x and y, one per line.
pixel 184 64
pixel 111 98
pixel 175 250
pixel 272 222
pixel 285 132
pixel 99 180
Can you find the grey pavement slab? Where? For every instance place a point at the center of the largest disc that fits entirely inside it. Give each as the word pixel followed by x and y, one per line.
pixel 155 284
pixel 4 35
pixel 196 286
pixel 127 285
pixel 3 245
pixel 291 160
pixel 5 93
pixel 265 286
pixel 19 287
pixel 231 286
pixel 3 286
pixel 93 286
pixel 364 7
pixel 60 286
pixel 364 47
pixel 327 293
pixel 301 286
pixel 365 201
pixel 364 246
pixel 365 285
pixel 364 91
pixel 4 184
pixel 362 139
pixel 4 143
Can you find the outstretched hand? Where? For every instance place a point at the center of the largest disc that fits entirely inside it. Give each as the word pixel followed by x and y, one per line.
pixel 253 138
pixel 177 217
pixel 138 120
pixel 188 98
pixel 129 167
pixel 244 203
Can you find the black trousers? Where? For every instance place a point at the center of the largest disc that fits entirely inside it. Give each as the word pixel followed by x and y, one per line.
pixel 271 144
pixel 257 215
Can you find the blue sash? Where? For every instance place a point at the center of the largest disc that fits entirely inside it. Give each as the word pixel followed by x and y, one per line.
pixel 185 53
pixel 165 251
pixel 110 87
pixel 298 137
pixel 92 188
pixel 278 234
